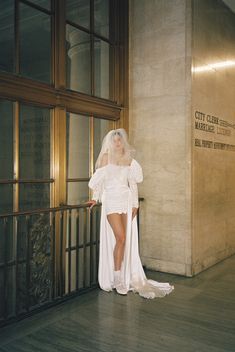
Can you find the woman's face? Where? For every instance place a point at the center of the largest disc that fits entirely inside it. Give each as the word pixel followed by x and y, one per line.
pixel 117 142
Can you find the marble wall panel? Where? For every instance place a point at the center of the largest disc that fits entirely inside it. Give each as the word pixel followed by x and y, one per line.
pixel 187 219
pixel 213 92
pixel 159 130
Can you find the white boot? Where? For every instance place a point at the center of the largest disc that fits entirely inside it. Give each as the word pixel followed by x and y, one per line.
pixel 118 284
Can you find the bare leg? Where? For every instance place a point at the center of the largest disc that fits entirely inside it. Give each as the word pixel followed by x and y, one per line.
pixel 118 224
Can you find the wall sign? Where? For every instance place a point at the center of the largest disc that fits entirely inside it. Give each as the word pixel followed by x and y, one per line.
pixel 218 128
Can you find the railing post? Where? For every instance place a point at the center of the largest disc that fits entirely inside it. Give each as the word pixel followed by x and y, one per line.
pixel 28 258
pixel 91 247
pixel 16 266
pixel 69 252
pixel 5 303
pixel 53 281
pixel 77 249
pixel 61 258
pixel 84 247
pixel 97 227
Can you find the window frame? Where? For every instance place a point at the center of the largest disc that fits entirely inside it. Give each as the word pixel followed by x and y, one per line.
pixel 55 96
pixel 16 181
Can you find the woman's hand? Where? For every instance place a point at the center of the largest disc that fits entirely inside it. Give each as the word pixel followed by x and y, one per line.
pixel 134 212
pixel 91 203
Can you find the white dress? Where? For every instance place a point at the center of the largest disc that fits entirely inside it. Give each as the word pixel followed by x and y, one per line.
pixel 116 187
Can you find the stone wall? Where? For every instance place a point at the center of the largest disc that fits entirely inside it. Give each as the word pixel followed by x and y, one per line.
pixel 160 129
pixel 213 120
pixel 182 123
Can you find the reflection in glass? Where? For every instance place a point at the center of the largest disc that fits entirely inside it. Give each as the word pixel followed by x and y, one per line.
pixel 36 231
pixel 101 20
pixel 7 238
pixel 2 296
pixel 11 287
pixel 7 35
pixel 78 192
pixel 34 196
pixel 5 234
pixel 102 69
pixel 35 44
pixel 78 12
pixel 6 198
pixel 34 149
pixel 78 60
pixel 101 128
pixel 46 4
pixel 6 140
pixel 6 224
pixel 78 146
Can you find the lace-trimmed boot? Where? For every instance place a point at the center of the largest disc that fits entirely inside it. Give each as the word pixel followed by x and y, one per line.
pixel 118 284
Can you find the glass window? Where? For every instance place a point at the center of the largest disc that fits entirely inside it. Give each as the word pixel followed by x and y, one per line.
pixel 35 44
pixel 6 239
pixel 101 17
pixel 6 198
pixel 78 60
pixel 43 3
pixel 10 287
pixel 102 69
pixel 34 151
pixel 78 157
pixel 78 192
pixel 34 196
pixel 78 146
pixel 2 293
pixel 7 35
pixel 78 12
pixel 6 140
pixel 101 128
pixel 6 229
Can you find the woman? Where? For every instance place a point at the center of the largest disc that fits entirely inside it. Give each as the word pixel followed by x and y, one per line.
pixel 114 183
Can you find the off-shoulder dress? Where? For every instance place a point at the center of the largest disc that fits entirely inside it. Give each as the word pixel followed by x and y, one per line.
pixel 115 186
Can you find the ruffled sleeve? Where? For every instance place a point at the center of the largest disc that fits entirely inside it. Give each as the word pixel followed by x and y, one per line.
pixel 135 176
pixel 96 184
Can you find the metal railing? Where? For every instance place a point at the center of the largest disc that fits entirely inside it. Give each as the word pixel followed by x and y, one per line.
pixel 46 256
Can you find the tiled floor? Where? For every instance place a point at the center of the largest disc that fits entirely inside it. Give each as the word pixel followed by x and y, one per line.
pixel 198 316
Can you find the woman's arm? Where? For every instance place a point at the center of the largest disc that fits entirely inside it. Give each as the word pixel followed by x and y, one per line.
pixel 135 176
pixel 96 183
pixel 91 203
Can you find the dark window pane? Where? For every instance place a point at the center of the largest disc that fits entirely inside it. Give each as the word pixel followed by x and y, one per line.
pixel 101 20
pixel 78 60
pixel 2 293
pixel 6 198
pixel 10 287
pixel 7 35
pixel 78 146
pixel 34 196
pixel 34 142
pixel 7 239
pixel 6 224
pixel 78 11
pixel 6 140
pixel 102 69
pixel 78 192
pixel 43 3
pixel 35 44
pixel 101 128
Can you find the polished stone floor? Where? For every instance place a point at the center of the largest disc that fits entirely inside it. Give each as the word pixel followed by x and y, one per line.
pixel 198 316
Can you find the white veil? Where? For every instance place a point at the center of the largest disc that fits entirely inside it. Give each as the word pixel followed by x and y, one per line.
pixel 109 153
